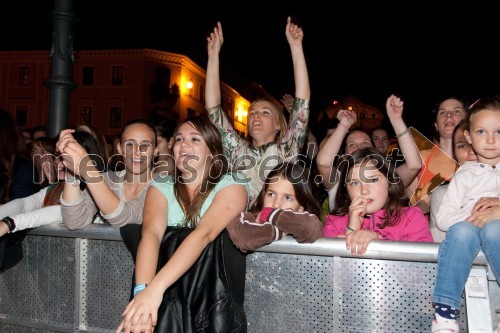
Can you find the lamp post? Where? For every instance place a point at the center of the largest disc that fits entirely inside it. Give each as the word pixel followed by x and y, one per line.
pixel 61 53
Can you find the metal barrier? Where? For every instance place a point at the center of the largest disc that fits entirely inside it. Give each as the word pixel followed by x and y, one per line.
pixel 79 281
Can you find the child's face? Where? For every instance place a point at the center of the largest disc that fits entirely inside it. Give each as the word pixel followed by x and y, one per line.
pixel 368 183
pixel 463 150
pixel 484 135
pixel 280 194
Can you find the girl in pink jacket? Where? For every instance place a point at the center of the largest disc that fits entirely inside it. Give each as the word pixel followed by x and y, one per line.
pixel 371 204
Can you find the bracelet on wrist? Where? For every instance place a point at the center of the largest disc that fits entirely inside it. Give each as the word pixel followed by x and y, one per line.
pixel 70 179
pixel 9 221
pixel 139 287
pixel 407 130
pixel 344 126
pixel 349 228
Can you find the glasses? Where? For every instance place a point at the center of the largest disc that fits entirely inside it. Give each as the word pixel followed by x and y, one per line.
pixel 144 147
pixel 455 112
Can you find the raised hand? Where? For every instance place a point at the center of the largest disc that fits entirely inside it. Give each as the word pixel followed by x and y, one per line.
pixel 294 33
pixel 346 117
pixel 74 156
pixel 287 101
pixel 215 40
pixel 394 106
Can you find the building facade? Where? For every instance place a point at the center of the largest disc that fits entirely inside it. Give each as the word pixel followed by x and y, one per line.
pixel 112 87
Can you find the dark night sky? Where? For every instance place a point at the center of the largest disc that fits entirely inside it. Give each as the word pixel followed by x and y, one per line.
pixel 420 53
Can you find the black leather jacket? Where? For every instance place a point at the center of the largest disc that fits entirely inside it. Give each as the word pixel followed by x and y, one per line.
pixel 209 297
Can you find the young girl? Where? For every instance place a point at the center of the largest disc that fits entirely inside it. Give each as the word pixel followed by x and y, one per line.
pixel 118 196
pixel 370 204
pixel 463 152
pixel 358 139
pixel 286 205
pixel 270 139
pixel 204 198
pixel 470 213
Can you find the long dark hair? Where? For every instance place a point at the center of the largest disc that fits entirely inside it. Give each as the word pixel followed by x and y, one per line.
pixel 217 168
pixel 396 199
pixel 298 174
pixel 91 145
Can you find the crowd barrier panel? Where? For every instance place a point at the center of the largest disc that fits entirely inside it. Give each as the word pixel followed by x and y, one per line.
pixel 79 281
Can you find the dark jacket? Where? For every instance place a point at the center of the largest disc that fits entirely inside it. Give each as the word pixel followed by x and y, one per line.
pixel 209 297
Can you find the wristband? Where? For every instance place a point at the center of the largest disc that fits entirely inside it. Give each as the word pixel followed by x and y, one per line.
pixel 138 288
pixel 403 133
pixel 70 179
pixel 10 223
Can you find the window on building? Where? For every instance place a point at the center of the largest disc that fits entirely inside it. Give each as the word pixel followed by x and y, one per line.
pixel 24 75
pixel 22 116
pixel 117 76
pixel 88 76
pixel 86 115
pixel 115 117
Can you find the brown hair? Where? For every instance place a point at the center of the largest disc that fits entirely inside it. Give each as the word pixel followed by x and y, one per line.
pixel 217 168
pixel 299 175
pixel 396 199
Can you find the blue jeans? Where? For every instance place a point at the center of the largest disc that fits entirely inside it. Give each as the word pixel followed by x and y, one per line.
pixel 456 255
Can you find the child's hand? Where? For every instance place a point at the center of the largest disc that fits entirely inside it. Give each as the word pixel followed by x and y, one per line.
pixel 357 241
pixel 357 211
pixel 485 203
pixel 480 218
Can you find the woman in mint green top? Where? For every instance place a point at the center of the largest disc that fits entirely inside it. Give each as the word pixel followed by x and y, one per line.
pixel 176 214
pixel 202 196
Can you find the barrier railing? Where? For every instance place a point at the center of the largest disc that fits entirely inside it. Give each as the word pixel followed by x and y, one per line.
pixel 79 281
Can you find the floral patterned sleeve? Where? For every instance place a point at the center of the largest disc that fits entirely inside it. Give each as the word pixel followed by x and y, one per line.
pixel 296 133
pixel 231 140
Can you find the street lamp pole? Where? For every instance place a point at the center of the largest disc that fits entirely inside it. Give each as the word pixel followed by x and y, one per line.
pixel 61 53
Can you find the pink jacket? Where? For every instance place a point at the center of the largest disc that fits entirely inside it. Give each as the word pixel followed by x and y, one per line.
pixel 412 227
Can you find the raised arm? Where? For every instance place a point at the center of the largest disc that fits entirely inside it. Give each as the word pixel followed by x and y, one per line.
pixel 331 147
pixel 413 162
pixel 230 138
pixel 226 205
pixel 295 36
pixel 212 85
pixel 79 163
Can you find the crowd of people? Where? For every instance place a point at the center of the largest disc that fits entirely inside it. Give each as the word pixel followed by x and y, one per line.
pixel 176 189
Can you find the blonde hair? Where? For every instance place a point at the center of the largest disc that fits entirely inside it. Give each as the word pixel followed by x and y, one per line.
pixel 278 115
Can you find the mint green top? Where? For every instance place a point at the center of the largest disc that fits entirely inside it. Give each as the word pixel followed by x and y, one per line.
pixel 175 213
